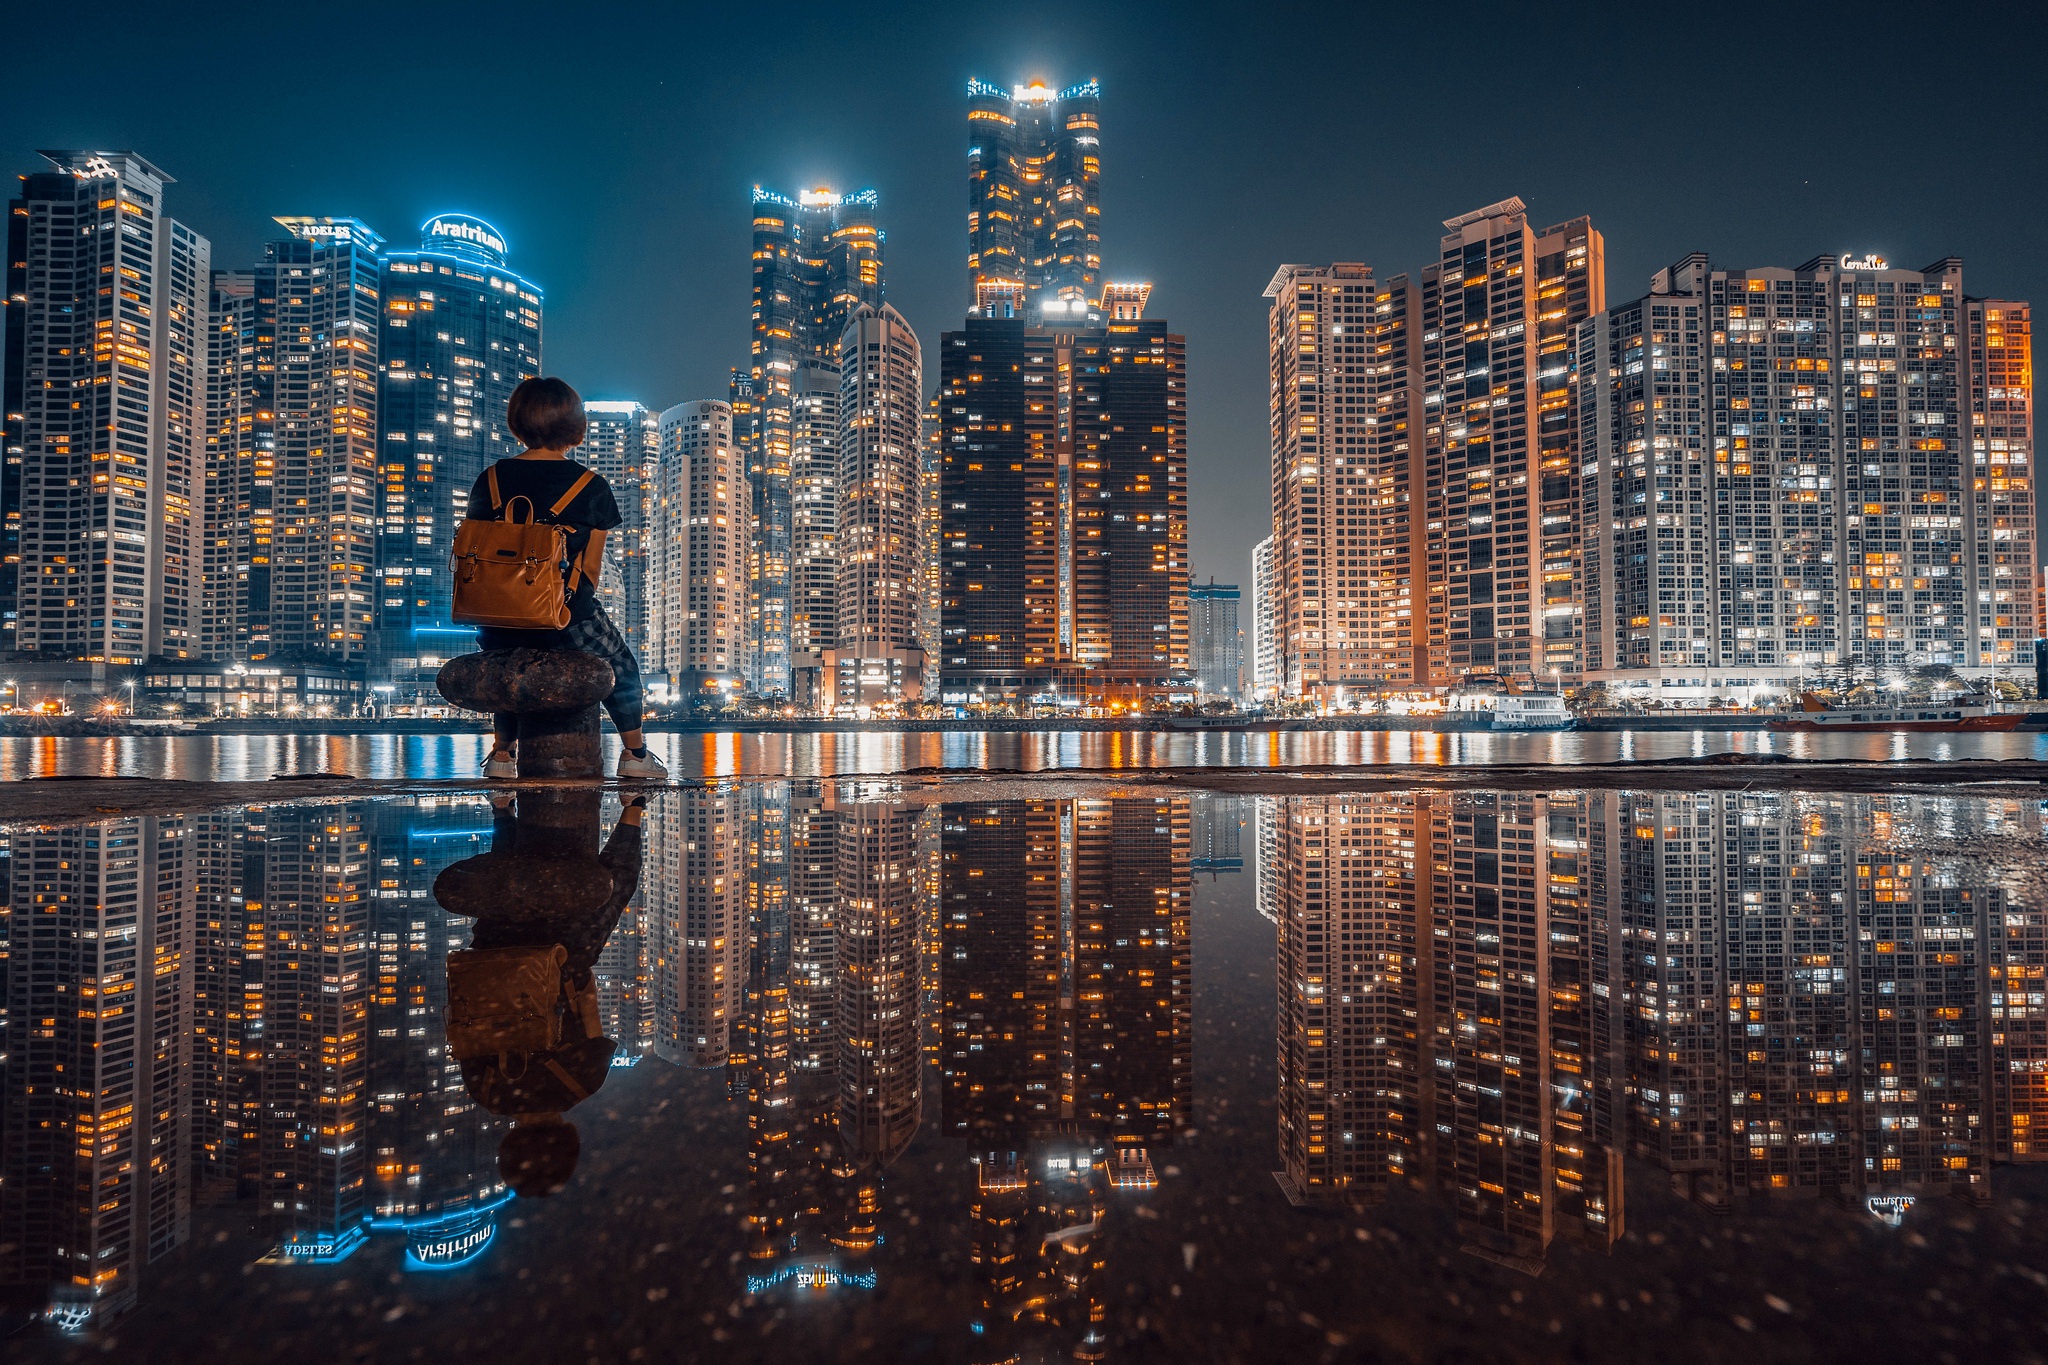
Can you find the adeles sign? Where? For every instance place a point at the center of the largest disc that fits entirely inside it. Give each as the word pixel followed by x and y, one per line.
pixel 464 229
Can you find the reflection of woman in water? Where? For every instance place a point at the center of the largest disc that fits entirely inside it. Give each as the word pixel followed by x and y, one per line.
pixel 534 1089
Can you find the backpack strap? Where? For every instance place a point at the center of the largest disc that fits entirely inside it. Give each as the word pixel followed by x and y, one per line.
pixel 570 1083
pixel 562 503
pixel 491 478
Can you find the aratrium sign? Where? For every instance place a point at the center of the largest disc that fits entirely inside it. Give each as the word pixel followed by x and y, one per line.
pixel 460 227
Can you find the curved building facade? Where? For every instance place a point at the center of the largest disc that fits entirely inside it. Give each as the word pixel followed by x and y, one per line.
pixel 1034 198
pixel 460 331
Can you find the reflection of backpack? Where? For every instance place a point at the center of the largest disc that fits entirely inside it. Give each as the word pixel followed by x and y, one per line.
pixel 505 1000
pixel 509 573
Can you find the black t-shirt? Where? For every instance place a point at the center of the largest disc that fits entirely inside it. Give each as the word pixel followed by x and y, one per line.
pixel 543 482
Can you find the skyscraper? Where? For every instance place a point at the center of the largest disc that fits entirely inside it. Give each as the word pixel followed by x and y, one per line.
pixel 817 258
pixel 623 444
pixel 1425 449
pixel 697 553
pixel 880 653
pixel 460 332
pixel 1215 645
pixel 105 396
pixel 1796 471
pixel 1497 312
pixel 1063 509
pixel 290 454
pixel 1034 191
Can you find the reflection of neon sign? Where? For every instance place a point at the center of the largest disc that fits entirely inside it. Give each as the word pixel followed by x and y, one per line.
pixel 446 1253
pixel 1889 1209
pixel 812 1277
pixel 316 1248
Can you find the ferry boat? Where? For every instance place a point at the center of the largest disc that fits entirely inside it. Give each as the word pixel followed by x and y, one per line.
pixel 1816 716
pixel 1532 711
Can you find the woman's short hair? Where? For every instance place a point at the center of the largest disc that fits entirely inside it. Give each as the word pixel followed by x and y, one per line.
pixel 546 414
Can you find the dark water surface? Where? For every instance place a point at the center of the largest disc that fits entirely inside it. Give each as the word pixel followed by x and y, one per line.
pixel 1596 1075
pixel 233 758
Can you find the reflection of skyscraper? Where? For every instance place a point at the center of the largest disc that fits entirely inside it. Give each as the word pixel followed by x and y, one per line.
pixel 314 1140
pixel 1437 1019
pixel 1065 1046
pixel 98 1104
pixel 1764 993
pixel 696 884
pixel 878 927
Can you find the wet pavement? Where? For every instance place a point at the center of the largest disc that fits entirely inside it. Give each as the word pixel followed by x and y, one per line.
pixel 1414 1075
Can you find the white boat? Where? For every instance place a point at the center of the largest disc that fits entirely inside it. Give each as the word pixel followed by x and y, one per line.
pixel 1532 711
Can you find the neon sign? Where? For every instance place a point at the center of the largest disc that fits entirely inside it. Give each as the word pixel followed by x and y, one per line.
pixel 460 227
pixel 1865 262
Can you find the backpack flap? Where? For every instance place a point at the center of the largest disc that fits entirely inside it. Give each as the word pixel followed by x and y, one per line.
pixel 504 1000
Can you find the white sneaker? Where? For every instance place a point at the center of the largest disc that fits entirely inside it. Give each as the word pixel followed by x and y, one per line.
pixel 648 769
pixel 499 768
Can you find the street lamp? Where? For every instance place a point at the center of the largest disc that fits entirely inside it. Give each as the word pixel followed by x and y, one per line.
pixel 130 685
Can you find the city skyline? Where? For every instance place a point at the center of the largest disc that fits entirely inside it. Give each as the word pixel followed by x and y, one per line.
pixel 1368 186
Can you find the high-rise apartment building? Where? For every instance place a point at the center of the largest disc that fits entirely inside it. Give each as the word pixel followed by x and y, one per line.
pixel 1425 446
pixel 880 652
pixel 1215 643
pixel 291 449
pixel 697 553
pixel 1034 200
pixel 1501 431
pixel 460 332
pixel 1265 650
pixel 1792 473
pixel 623 444
pixel 814 524
pixel 1348 597
pixel 817 259
pixel 105 397
pixel 1063 509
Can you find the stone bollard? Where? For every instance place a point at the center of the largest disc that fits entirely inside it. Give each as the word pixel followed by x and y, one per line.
pixel 553 692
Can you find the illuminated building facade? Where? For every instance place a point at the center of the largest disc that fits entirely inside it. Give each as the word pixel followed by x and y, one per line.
pixel 697 548
pixel 1791 472
pixel 814 520
pixel 1215 644
pixel 460 331
pixel 817 260
pixel 290 454
pixel 1500 425
pixel 879 655
pixel 1063 511
pixel 1034 200
pixel 105 394
pixel 1265 651
pixel 622 444
pixel 1347 597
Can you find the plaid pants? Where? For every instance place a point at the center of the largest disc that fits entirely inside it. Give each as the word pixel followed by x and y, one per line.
pixel 594 634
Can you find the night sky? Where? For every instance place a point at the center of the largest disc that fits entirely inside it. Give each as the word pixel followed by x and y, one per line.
pixel 616 145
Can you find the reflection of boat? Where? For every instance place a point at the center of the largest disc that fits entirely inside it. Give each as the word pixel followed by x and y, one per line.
pixel 1532 711
pixel 1816 716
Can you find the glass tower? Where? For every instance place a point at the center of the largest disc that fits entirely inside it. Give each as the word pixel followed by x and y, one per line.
pixel 817 258
pixel 1034 199
pixel 460 333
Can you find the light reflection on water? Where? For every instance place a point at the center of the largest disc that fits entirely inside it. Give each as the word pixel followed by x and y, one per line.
pixel 200 758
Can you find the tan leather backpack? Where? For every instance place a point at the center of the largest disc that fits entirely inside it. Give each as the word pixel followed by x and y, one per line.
pixel 508 573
